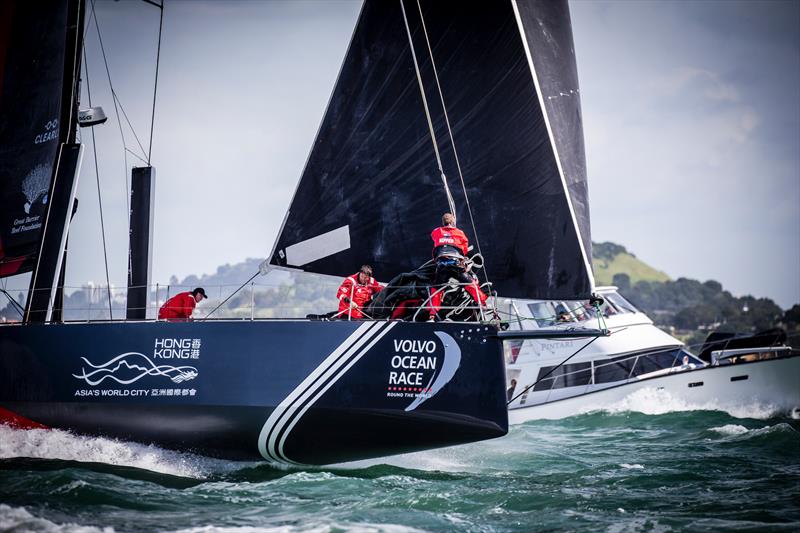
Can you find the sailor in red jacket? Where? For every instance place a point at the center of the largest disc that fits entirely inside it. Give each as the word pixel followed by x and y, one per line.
pixel 355 292
pixel 448 239
pixel 450 248
pixel 179 308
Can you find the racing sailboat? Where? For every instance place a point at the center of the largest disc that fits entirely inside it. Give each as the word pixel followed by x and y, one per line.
pixel 439 106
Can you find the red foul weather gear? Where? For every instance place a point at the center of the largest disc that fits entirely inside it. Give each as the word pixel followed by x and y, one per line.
pixel 352 290
pixel 178 308
pixel 468 282
pixel 445 239
pixel 448 236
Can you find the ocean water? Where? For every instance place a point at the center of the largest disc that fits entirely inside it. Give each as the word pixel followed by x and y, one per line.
pixel 649 464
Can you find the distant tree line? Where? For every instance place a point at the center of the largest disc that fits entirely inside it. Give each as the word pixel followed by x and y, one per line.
pixel 696 308
pixel 607 251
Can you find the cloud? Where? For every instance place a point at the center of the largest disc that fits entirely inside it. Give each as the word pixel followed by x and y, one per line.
pixel 699 80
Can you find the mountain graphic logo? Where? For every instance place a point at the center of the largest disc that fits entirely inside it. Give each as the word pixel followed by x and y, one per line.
pixel 130 367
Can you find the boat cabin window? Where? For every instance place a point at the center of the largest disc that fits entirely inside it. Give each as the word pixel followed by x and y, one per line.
pixel 620 303
pixel 690 357
pixel 613 369
pixel 610 370
pixel 608 309
pixel 580 311
pixel 657 361
pixel 572 375
pixel 628 366
pixel 543 312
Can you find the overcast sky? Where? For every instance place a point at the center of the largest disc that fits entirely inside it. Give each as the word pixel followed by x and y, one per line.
pixel 691 116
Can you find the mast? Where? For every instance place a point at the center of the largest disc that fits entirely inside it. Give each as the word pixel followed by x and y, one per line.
pixel 143 187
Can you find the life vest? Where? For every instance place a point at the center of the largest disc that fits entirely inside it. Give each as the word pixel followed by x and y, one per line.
pixel 449 239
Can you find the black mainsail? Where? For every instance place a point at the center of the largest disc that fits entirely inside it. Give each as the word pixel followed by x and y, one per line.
pixel 36 116
pixel 503 76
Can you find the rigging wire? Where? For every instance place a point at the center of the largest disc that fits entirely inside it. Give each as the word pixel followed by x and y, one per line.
pixel 99 196
pixel 452 141
pixel 134 154
pixel 559 365
pixel 15 304
pixel 428 113
pixel 116 112
pixel 155 84
pixel 114 93
pixel 232 294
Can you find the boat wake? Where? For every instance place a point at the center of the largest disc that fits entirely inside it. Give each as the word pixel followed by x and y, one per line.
pixel 651 401
pixel 64 446
pixel 53 449
pixel 19 519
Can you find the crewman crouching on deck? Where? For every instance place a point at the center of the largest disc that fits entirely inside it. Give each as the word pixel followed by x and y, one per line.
pixel 179 308
pixel 355 292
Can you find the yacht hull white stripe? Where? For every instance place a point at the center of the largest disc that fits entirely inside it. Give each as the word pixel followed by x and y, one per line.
pixel 290 400
pixel 333 369
pixel 586 262
pixel 322 391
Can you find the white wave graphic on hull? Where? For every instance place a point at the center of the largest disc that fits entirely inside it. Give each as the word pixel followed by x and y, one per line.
pixel 177 374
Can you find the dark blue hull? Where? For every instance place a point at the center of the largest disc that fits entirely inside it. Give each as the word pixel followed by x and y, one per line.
pixel 287 391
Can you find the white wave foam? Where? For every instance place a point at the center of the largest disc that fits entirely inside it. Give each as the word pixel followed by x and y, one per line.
pixel 783 427
pixel 62 445
pixel 652 401
pixel 19 519
pixel 730 429
pixel 310 528
pixel 634 466
pixel 738 432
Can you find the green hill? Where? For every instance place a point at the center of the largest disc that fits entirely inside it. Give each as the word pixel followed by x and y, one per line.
pixel 687 308
pixel 609 259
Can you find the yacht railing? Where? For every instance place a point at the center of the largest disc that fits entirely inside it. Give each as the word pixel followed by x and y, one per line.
pixel 255 301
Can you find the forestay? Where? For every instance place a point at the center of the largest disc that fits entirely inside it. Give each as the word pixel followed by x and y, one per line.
pixel 371 191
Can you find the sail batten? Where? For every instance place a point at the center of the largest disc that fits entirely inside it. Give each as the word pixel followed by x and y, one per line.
pixel 373 169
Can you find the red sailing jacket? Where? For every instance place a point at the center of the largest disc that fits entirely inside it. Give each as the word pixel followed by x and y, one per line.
pixel 178 308
pixel 450 236
pixel 351 289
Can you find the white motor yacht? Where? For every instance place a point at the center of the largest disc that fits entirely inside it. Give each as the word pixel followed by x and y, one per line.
pixel 557 377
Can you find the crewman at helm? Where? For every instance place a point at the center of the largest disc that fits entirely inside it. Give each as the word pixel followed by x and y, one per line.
pixel 355 292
